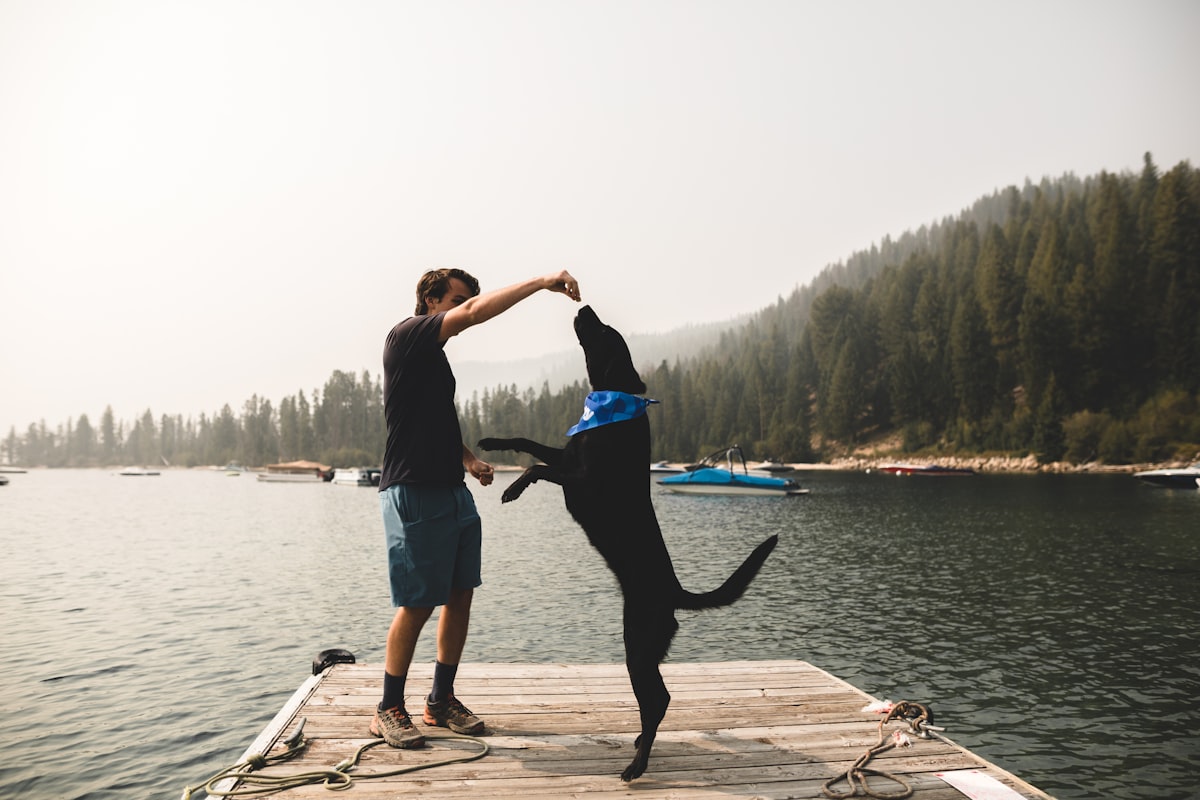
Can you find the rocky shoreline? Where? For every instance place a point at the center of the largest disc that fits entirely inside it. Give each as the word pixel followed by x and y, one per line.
pixel 994 464
pixel 989 464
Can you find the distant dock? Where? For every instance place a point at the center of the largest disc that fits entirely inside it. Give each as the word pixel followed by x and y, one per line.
pixel 744 729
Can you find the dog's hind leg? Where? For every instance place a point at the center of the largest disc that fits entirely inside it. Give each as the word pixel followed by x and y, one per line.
pixel 648 635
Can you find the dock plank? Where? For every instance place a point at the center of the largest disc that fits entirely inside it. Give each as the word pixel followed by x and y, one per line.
pixel 744 729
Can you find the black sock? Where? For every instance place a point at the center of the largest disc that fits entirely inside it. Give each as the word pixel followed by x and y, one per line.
pixel 443 681
pixel 393 691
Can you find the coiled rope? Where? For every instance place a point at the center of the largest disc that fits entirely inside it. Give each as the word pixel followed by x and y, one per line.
pixel 920 722
pixel 249 783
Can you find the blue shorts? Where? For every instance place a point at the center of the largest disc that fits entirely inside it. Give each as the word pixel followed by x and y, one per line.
pixel 434 542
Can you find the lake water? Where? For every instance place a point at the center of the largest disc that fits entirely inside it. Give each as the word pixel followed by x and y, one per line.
pixel 153 626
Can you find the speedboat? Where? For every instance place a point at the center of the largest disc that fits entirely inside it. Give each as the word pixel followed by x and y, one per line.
pixel 1178 478
pixel 662 467
pixel 923 469
pixel 710 478
pixel 138 471
pixel 771 466
pixel 357 476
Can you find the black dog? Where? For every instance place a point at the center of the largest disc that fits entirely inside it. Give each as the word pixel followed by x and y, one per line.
pixel 602 471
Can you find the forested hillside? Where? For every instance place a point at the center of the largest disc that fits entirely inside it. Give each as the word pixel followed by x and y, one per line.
pixel 1060 318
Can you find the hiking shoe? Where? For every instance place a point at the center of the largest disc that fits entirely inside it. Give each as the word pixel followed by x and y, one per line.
pixel 452 714
pixel 396 728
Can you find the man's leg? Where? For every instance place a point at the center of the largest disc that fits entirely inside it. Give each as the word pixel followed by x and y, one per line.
pixel 453 623
pixel 452 636
pixel 391 721
pixel 411 547
pixel 442 708
pixel 402 638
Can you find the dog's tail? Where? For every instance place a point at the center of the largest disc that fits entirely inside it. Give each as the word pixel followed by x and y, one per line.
pixel 735 585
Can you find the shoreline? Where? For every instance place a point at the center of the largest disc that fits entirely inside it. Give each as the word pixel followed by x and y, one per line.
pixel 980 464
pixel 1002 464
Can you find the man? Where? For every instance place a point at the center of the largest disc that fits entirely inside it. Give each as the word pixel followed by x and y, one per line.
pixel 432 528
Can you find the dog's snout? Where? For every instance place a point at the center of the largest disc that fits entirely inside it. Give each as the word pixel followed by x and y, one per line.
pixel 586 320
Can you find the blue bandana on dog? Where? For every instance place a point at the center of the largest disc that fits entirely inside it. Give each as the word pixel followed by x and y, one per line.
pixel 602 408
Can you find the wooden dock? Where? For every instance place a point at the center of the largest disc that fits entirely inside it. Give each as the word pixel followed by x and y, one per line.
pixel 747 729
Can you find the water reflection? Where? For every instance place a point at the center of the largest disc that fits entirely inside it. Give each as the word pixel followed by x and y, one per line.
pixel 1051 621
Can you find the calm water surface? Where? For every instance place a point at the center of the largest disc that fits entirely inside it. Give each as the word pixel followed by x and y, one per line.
pixel 153 626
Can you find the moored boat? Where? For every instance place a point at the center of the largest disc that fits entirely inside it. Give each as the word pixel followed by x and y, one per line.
pixel 296 472
pixel 1172 478
pixel 923 469
pixel 771 466
pixel 357 476
pixel 138 472
pixel 709 478
pixel 662 467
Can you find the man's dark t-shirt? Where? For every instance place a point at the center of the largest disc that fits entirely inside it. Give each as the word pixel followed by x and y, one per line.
pixel 424 441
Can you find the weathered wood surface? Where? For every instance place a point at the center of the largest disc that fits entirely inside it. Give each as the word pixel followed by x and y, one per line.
pixel 749 729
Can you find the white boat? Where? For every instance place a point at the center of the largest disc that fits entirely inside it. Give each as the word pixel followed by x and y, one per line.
pixel 3 480
pixel 770 466
pixel 138 472
pixel 296 472
pixel 289 477
pixel 663 468
pixel 708 478
pixel 1177 478
pixel 357 476
pixel 923 469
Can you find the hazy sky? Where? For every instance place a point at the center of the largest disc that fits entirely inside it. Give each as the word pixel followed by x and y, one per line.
pixel 203 201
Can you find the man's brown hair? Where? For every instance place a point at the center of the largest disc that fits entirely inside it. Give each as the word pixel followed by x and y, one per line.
pixel 436 282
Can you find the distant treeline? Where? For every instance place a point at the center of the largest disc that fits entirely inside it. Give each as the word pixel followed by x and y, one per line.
pixel 1061 318
pixel 341 426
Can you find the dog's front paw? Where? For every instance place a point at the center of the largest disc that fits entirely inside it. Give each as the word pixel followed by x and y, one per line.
pixel 491 443
pixel 513 491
